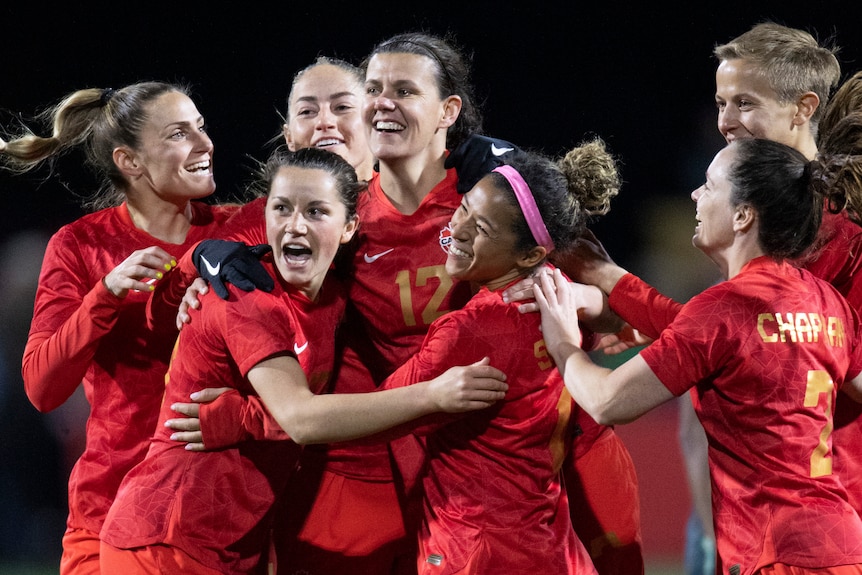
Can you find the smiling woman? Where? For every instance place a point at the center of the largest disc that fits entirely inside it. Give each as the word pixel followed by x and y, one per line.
pixel 504 230
pixel 775 497
pixel 212 512
pixel 148 143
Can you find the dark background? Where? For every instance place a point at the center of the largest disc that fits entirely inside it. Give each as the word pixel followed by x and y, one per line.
pixel 550 73
pixel 640 75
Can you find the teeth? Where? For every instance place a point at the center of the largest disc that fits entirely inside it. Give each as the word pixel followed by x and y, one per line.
pixel 455 251
pixel 198 166
pixel 389 126
pixel 328 142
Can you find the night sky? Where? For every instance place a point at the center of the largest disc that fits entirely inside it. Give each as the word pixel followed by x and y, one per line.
pixel 549 73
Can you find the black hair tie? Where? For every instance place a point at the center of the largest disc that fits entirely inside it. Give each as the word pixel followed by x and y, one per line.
pixel 106 96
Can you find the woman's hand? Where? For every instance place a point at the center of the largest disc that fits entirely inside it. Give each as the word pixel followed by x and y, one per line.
pixel 468 388
pixel 188 428
pixel 558 301
pixel 139 271
pixel 191 300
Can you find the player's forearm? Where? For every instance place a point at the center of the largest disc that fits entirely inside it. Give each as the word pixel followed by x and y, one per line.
pixel 599 273
pixel 334 418
pixel 596 314
pixel 584 380
pixel 55 363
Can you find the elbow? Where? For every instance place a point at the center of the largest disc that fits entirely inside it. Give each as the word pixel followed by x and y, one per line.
pixel 299 431
pixel 605 418
pixel 606 413
pixel 299 437
pixel 41 401
pixel 36 392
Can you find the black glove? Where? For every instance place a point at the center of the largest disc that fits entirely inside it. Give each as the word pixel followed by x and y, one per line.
pixel 221 261
pixel 476 157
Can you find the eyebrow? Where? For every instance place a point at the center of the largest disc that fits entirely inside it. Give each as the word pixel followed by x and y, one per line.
pixel 183 123
pixel 331 96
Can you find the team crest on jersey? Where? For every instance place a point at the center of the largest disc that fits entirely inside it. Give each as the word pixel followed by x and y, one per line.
pixel 446 237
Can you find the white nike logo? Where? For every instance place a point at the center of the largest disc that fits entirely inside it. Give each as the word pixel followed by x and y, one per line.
pixel 299 348
pixel 212 269
pixel 499 151
pixel 375 257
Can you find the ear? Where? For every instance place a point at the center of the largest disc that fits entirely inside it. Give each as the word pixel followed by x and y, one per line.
pixel 349 229
pixel 532 258
pixel 806 105
pixel 744 217
pixel 451 111
pixel 127 162
pixel 291 145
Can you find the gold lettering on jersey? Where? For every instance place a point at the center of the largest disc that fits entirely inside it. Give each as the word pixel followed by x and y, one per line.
pixel 405 293
pixel 800 327
pixel 540 351
pixel 819 383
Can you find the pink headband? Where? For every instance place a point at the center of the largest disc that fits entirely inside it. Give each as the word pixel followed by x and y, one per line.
pixel 528 206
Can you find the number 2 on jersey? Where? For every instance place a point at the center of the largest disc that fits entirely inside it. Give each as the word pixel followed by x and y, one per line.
pixel 820 382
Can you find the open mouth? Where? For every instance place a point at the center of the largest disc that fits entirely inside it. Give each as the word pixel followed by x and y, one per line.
pixel 199 167
pixel 297 253
pixel 328 142
pixel 388 127
pixel 458 253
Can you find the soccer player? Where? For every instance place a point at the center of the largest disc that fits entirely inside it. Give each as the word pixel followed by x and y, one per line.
pixel 207 513
pixel 494 500
pixel 764 354
pixel 148 143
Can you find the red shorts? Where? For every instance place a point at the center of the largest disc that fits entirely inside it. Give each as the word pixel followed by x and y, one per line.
pixel 604 502
pixel 80 552
pixel 151 560
pixel 336 524
pixel 782 569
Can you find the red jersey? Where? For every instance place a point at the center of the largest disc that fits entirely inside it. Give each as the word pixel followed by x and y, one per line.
pixel 82 333
pixel 836 258
pixel 839 261
pixel 398 286
pixel 217 505
pixel 766 353
pixel 493 498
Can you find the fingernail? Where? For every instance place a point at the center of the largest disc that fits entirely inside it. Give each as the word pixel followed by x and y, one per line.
pixel 159 275
pixel 167 267
pixel 151 287
pixel 173 263
pixel 195 395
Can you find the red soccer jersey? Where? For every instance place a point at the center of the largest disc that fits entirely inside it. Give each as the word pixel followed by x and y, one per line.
pixel 81 333
pixel 398 286
pixel 836 258
pixel 399 283
pixel 217 506
pixel 493 498
pixel 766 353
pixel 839 261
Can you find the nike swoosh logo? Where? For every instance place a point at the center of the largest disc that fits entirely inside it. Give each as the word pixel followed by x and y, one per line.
pixel 375 257
pixel 299 348
pixel 212 269
pixel 499 151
